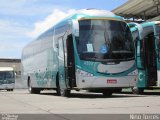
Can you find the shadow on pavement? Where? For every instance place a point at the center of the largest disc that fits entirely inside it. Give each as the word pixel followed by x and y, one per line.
pixel 145 93
pixel 93 95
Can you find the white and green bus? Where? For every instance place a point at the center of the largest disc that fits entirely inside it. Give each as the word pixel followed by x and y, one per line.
pixel 90 50
pixel 7 78
pixel 147 56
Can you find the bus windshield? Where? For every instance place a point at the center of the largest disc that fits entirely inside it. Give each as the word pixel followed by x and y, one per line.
pixel 6 75
pixel 104 40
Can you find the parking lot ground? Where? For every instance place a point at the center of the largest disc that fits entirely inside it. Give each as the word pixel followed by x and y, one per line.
pixel 21 102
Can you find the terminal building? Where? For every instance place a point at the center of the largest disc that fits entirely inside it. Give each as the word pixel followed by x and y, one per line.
pixel 14 63
pixel 139 10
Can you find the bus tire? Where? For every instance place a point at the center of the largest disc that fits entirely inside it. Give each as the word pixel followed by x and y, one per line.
pixel 65 93
pixel 57 86
pixel 118 90
pixel 61 92
pixel 58 90
pixel 9 89
pixel 32 90
pixel 107 93
pixel 137 90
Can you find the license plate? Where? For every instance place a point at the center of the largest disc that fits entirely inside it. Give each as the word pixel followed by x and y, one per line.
pixel 112 81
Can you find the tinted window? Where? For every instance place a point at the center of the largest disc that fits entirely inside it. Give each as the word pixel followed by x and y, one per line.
pixel 104 39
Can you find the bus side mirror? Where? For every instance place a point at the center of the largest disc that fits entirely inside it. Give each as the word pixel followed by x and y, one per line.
pixel 139 43
pixel 139 27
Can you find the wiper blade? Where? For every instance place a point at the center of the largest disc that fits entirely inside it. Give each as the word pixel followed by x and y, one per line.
pixel 122 51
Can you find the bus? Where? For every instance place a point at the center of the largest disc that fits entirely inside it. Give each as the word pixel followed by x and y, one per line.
pixel 147 56
pixel 89 50
pixel 7 78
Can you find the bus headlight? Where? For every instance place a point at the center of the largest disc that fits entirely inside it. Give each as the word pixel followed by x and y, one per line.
pixel 135 72
pixel 83 73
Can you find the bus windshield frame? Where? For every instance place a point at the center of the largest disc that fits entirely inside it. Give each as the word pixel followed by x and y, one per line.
pixel 105 40
pixel 158 35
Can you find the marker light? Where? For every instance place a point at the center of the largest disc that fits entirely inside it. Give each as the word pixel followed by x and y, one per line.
pixel 83 73
pixel 135 72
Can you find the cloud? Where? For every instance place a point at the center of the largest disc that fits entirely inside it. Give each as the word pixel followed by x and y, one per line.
pixel 49 21
pixel 26 7
pixel 14 34
pixel 7 26
pixel 12 38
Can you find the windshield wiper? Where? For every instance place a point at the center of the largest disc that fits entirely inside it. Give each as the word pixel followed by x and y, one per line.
pixel 122 51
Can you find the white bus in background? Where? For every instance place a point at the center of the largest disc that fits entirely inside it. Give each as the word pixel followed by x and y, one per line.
pixel 7 78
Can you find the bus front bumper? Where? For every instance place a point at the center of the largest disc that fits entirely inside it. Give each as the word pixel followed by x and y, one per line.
pixel 7 86
pixel 106 82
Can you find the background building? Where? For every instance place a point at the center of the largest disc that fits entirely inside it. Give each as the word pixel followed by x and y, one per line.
pixel 14 63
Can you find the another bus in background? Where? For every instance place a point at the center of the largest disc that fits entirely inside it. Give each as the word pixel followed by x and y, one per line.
pixel 7 78
pixel 147 56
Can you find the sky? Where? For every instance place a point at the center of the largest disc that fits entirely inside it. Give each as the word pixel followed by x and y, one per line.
pixel 21 21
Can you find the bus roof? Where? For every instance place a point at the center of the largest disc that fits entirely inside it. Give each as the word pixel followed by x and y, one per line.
pixel 89 13
pixel 146 24
pixel 85 14
pixel 95 12
pixel 6 69
pixel 157 22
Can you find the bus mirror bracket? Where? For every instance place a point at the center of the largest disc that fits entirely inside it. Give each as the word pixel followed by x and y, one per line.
pixel 76 27
pixel 141 39
pixel 139 27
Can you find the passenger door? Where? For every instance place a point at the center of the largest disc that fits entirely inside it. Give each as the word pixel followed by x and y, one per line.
pixel 139 53
pixel 157 37
pixel 62 63
pixel 140 61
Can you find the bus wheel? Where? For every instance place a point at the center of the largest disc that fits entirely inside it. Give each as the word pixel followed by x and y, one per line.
pixel 107 93
pixel 32 90
pixel 63 92
pixel 60 91
pixel 118 90
pixel 137 90
pixel 9 89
